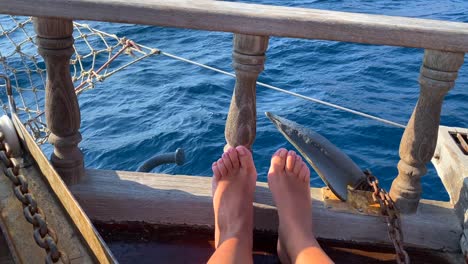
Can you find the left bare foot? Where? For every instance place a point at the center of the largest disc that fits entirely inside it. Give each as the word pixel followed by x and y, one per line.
pixel 233 193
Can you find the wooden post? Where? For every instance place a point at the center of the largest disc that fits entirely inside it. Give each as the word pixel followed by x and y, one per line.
pixel 55 43
pixel 249 60
pixel 417 146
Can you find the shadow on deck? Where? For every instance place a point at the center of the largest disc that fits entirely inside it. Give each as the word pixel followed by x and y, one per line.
pixel 184 244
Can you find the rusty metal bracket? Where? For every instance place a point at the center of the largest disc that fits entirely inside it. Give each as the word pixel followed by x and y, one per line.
pixel 359 202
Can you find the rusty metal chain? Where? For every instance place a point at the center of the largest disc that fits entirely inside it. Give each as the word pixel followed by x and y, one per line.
pixel 391 215
pixel 44 235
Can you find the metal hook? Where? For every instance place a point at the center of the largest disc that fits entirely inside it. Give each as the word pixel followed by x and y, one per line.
pixel 177 157
pixel 11 100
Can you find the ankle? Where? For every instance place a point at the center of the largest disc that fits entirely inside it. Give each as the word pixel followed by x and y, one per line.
pixel 244 237
pixel 240 230
pixel 297 240
pixel 297 232
pixel 299 246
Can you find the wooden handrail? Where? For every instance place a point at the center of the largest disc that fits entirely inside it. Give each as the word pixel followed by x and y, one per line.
pixel 255 19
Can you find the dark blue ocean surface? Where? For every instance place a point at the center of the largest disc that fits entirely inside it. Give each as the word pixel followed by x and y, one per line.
pixel 161 104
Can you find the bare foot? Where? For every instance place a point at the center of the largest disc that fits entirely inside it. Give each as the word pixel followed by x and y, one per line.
pixel 233 193
pixel 288 179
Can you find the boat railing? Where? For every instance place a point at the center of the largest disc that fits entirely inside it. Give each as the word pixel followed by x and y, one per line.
pixel 252 25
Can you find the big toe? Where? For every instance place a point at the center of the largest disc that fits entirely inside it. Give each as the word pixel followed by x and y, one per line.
pixel 245 158
pixel 278 161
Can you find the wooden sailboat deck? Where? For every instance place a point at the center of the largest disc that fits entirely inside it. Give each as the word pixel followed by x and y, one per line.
pixel 122 196
pixel 169 218
pixel 132 211
pixel 164 244
pixel 150 216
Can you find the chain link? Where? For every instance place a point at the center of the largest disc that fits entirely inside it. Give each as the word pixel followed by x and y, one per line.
pixel 44 235
pixel 391 215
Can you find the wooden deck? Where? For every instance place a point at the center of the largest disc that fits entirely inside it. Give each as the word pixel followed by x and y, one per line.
pixel 155 199
pixel 5 255
pixel 164 243
pixel 148 243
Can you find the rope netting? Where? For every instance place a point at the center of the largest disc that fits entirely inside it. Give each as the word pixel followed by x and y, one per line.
pixel 98 55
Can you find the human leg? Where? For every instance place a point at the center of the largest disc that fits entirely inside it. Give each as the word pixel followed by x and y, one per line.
pixel 234 178
pixel 288 179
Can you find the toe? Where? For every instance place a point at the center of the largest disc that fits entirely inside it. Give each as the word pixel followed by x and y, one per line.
pixel 234 157
pixel 278 160
pixel 297 165
pixel 222 168
pixel 290 161
pixel 304 173
pixel 216 172
pixel 245 157
pixel 227 161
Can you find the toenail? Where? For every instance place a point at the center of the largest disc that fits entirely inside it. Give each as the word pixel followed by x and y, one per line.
pixel 282 153
pixel 241 150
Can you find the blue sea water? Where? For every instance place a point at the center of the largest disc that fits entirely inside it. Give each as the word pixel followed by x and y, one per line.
pixel 161 104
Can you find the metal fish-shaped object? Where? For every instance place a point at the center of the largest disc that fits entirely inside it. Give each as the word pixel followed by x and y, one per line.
pixel 335 168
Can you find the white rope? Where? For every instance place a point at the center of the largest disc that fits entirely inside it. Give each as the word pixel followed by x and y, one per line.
pixel 385 121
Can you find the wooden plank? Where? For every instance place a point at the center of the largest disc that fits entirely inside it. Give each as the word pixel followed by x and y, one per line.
pixel 175 199
pixel 463 143
pixel 5 255
pixel 72 208
pixel 462 209
pixel 19 233
pixel 452 167
pixel 253 19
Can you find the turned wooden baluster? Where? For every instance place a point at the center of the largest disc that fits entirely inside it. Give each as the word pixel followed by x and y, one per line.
pixel 417 146
pixel 249 60
pixel 55 43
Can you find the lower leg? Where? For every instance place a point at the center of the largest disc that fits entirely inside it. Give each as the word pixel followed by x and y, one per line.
pixel 232 250
pixel 288 179
pixel 234 178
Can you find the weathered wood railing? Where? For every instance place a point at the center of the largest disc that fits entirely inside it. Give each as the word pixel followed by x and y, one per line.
pixel 249 59
pixel 437 77
pixel 55 44
pixel 445 44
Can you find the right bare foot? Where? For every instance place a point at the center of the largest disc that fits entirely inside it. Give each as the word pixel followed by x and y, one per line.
pixel 288 179
pixel 233 192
